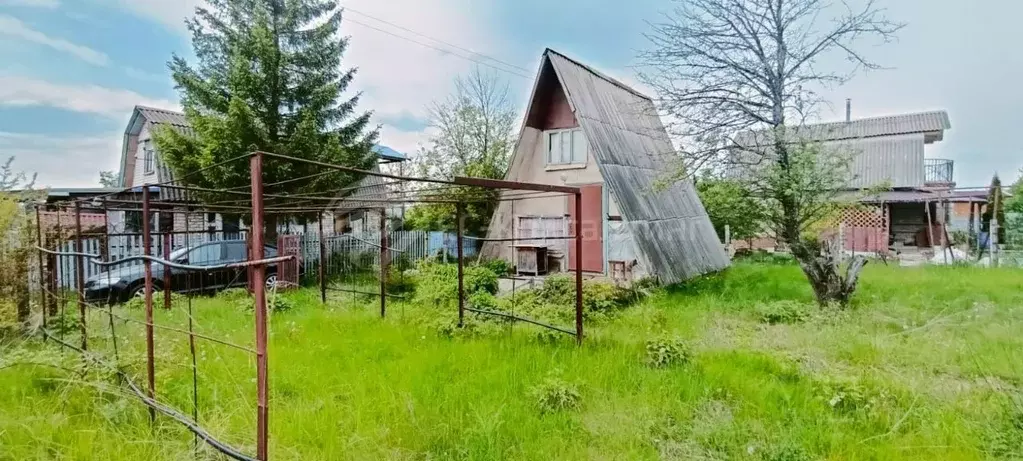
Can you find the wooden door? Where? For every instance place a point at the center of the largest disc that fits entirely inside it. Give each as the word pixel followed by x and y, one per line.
pixel 593 229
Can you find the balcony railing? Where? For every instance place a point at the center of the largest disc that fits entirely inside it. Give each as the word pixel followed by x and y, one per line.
pixel 937 170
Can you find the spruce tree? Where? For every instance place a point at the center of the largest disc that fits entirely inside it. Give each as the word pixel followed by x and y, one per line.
pixel 268 76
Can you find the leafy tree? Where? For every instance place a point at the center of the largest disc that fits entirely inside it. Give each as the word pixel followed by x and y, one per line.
pixel 1014 204
pixel 474 137
pixel 17 224
pixel 268 77
pixel 738 78
pixel 995 209
pixel 728 203
pixel 109 179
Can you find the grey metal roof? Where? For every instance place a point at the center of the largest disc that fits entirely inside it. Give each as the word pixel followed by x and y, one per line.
pixel 887 149
pixel 369 187
pixel 673 234
pixel 169 117
pixel 889 125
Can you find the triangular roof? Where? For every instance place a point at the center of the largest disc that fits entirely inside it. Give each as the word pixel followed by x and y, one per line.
pixel 673 234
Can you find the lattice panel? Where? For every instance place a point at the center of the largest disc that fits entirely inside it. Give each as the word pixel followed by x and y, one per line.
pixel 864 216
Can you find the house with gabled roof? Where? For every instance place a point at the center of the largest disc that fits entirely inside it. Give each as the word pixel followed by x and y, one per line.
pixel 888 152
pixel 583 128
pixel 141 165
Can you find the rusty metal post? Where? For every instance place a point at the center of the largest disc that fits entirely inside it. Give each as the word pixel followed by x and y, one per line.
pixel 147 240
pixel 579 267
pixel 165 237
pixel 383 262
pixel 43 299
pixel 323 254
pixel 80 276
pixel 259 273
pixel 104 250
pixel 460 218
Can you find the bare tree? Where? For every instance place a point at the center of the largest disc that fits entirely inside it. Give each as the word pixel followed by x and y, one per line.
pixel 473 137
pixel 739 78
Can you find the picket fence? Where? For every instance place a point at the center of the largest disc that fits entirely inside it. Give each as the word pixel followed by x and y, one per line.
pixel 341 251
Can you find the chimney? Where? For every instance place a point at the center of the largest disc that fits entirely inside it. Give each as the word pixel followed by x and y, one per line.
pixel 848 110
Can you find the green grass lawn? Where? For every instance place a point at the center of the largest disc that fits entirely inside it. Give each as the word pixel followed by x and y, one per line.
pixel 927 364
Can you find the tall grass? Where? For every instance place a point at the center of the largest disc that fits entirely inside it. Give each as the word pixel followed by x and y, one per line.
pixel 924 366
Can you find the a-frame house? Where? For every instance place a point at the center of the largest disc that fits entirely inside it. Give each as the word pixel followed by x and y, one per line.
pixel 583 128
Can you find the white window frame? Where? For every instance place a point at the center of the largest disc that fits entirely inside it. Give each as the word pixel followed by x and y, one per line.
pixel 572 160
pixel 148 160
pixel 561 226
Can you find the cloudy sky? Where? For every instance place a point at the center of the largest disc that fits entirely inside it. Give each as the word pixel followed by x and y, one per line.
pixel 73 69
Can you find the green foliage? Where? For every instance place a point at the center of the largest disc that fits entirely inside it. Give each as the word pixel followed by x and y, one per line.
pixel 268 76
pixel 942 342
pixel 729 203
pixel 275 302
pixel 555 394
pixel 499 266
pixel 17 245
pixel 786 311
pixel 663 352
pixel 437 283
pixel 849 397
pixel 109 179
pixel 1005 439
pixel 554 301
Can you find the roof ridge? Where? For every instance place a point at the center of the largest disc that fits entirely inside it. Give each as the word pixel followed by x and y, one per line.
pixel 600 74
pixel 157 109
pixel 882 117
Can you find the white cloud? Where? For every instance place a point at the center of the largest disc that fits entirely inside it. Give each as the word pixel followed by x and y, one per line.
pixel 13 27
pixel 397 77
pixel 60 160
pixel 49 4
pixel 169 13
pixel 113 103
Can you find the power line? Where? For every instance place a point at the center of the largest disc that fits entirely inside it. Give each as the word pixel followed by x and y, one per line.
pixel 406 29
pixel 442 50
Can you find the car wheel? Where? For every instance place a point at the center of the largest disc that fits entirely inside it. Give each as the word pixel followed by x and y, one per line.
pixel 140 291
pixel 271 282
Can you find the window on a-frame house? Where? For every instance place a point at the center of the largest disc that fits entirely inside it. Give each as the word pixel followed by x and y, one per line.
pixel 147 157
pixel 566 147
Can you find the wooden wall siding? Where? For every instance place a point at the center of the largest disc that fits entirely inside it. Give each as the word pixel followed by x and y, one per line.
pixel 129 166
pixel 593 225
pixel 559 113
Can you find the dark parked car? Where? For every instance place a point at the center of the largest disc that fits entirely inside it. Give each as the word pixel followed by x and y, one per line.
pixel 121 283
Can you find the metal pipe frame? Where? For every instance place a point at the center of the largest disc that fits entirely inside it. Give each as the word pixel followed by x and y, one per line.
pixel 147 241
pixel 80 279
pixel 460 218
pixel 259 274
pixel 579 267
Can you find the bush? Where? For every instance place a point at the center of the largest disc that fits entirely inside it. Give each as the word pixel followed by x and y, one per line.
pixel 555 394
pixel 498 266
pixel 786 311
pixel 275 303
pixel 853 397
pixel 554 301
pixel 437 283
pixel 665 352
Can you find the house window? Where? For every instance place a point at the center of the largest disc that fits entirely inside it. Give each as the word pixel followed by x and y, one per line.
pixel 539 228
pixel 147 157
pixel 566 147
